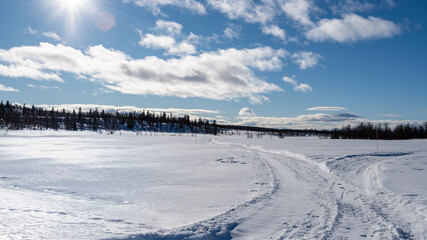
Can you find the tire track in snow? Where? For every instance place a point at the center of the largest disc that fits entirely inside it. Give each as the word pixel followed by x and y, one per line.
pixel 323 216
pixel 362 215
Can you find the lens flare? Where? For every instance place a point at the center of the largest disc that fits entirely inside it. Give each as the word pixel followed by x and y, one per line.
pixel 105 21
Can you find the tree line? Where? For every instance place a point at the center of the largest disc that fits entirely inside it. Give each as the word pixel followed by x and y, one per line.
pixel 367 130
pixel 17 117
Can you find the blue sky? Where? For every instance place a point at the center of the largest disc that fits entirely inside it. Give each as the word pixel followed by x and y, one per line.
pixel 278 63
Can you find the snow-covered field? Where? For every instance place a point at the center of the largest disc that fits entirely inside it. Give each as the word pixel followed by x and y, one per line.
pixel 85 185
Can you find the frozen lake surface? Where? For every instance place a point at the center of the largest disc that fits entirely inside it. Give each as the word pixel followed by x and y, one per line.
pixel 86 185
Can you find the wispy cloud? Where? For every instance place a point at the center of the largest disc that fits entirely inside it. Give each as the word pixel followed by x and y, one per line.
pixel 275 31
pixel 326 108
pixel 208 75
pixel 298 87
pixel 50 34
pixel 43 87
pixel 351 6
pixel 3 88
pixel 231 32
pixel 306 59
pixel 173 28
pixel 352 28
pixel 156 5
pixel 30 31
pixel 53 36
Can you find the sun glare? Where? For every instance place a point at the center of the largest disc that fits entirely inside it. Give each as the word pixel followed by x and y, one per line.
pixel 72 6
pixel 78 14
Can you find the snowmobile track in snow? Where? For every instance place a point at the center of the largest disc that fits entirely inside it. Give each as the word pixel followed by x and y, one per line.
pixel 338 194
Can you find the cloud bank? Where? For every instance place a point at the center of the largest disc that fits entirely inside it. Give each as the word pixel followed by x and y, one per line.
pixel 218 75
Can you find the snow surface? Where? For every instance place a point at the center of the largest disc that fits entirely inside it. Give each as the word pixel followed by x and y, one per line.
pixel 87 185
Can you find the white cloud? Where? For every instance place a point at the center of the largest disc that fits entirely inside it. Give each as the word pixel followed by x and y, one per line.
pixel 53 36
pixel 26 70
pixel 246 112
pixel 256 100
pixel 298 10
pixel 3 88
pixel 30 31
pixel 231 33
pixel 303 88
pixel 152 41
pixel 275 31
pixel 352 28
pixel 220 75
pixel 170 27
pixel 182 48
pixel 326 108
pixel 155 5
pixel 248 10
pixel 265 11
pixel 168 43
pixel 306 59
pixel 290 80
pixel 298 87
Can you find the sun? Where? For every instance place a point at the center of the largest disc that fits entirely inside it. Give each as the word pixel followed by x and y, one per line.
pixel 77 15
pixel 72 6
pixel 72 13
